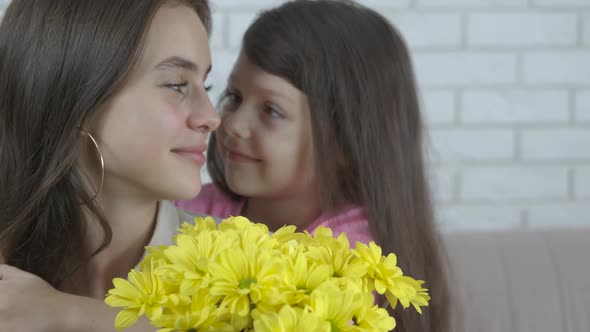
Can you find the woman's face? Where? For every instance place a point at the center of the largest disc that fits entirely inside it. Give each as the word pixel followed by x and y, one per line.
pixel 152 133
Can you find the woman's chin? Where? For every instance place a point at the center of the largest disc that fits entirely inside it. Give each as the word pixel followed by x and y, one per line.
pixel 191 193
pixel 186 189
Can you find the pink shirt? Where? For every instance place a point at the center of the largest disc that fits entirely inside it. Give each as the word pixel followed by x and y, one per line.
pixel 212 201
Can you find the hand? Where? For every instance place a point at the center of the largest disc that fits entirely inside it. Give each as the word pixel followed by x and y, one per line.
pixel 28 303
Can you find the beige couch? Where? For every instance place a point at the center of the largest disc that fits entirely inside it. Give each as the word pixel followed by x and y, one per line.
pixel 522 281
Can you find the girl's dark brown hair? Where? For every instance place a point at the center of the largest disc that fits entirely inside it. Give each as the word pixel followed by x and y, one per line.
pixel 60 61
pixel 367 129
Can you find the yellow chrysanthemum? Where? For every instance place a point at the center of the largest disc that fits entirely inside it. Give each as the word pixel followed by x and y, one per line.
pixel 238 277
pixel 202 315
pixel 244 275
pixel 408 291
pixel 380 268
pixel 286 236
pixel 143 294
pixel 301 277
pixel 370 317
pixel 388 278
pixel 189 260
pixel 289 319
pixel 155 257
pixel 199 224
pixel 335 305
pixel 240 224
pixel 336 252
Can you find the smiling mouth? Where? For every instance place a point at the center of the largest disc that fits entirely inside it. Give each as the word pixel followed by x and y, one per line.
pixel 240 157
pixel 194 156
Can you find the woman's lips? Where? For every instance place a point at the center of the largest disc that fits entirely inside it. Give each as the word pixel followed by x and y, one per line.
pixel 195 154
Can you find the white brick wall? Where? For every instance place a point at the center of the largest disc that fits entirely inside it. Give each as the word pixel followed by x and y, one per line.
pixel 557 67
pixel 465 68
pixel 505 86
pixel 380 4
pixel 443 187
pixel 556 215
pixel 222 5
pixel 582 183
pixel 462 144
pixel 462 4
pixel 513 184
pixel 439 106
pixel 237 24
pixel 562 3
pixel 429 30
pixel 512 106
pixel 217 37
pixel 479 217
pixel 583 106
pixel 534 29
pixel 556 145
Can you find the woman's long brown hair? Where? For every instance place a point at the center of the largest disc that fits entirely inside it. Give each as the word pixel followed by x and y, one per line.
pixel 60 61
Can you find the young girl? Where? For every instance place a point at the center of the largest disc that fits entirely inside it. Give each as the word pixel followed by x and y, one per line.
pixel 103 116
pixel 321 126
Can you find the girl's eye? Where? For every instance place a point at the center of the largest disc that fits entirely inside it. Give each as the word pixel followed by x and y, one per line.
pixel 230 100
pixel 273 112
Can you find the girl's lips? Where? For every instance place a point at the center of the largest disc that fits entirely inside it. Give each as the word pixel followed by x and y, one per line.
pixel 240 157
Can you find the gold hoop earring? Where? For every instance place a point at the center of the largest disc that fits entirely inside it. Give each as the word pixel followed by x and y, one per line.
pixel 101 163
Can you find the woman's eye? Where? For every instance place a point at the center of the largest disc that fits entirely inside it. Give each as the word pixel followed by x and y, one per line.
pixel 178 87
pixel 207 83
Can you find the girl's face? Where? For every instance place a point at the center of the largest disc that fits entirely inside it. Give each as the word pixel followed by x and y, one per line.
pixel 265 137
pixel 152 132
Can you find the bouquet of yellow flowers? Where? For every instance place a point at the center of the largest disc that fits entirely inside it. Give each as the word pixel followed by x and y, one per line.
pixel 236 276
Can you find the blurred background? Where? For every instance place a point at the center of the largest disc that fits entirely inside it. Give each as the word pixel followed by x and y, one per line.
pixel 505 86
